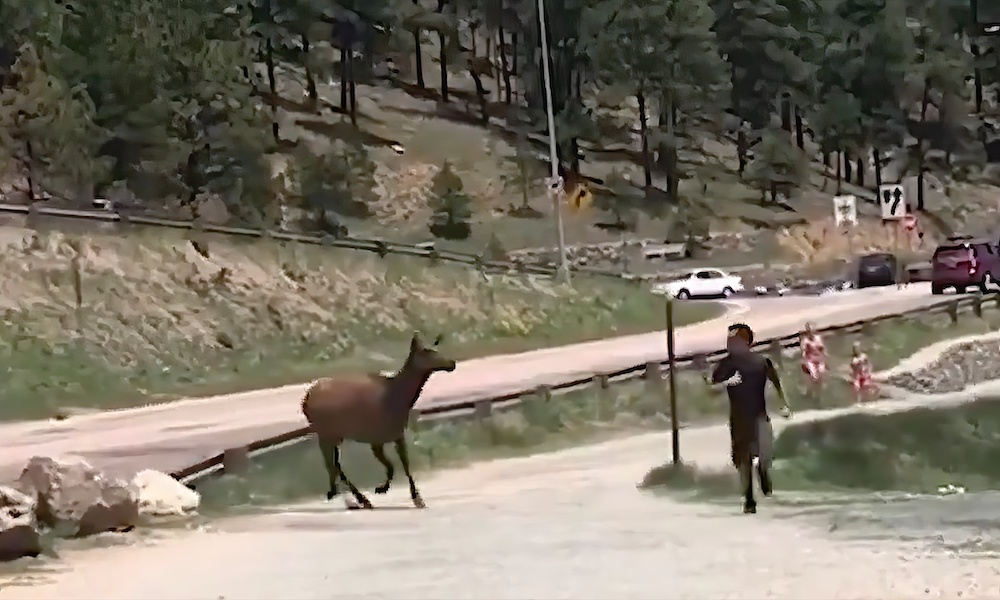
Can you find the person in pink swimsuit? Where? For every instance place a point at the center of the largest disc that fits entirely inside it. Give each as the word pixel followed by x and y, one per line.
pixel 813 356
pixel 861 375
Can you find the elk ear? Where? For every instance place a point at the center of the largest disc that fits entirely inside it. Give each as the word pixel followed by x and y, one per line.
pixel 415 341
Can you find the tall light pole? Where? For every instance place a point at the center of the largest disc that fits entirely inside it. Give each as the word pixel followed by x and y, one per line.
pixel 555 183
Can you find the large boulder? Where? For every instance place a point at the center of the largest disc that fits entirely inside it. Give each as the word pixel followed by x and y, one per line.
pixel 160 495
pixel 19 535
pixel 75 499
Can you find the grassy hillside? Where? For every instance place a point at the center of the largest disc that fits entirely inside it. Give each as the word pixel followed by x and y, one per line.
pixel 103 321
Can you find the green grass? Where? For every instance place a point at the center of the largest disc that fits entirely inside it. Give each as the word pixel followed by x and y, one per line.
pixel 914 451
pixel 155 324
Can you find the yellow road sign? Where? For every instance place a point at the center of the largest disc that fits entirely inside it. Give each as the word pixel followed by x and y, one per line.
pixel 579 197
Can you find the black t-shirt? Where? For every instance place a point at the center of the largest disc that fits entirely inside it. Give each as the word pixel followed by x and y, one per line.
pixel 747 400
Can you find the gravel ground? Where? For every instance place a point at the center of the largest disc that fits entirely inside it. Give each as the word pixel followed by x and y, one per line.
pixel 957 368
pixel 564 525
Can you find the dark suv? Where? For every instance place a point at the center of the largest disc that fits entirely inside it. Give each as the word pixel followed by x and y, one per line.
pixel 877 269
pixel 961 264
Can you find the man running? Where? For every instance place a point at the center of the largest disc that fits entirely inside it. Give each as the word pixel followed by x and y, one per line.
pixel 744 374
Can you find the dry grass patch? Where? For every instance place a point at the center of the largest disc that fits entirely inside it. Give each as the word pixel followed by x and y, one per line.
pixel 99 321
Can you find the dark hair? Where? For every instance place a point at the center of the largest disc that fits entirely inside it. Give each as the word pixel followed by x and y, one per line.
pixel 743 328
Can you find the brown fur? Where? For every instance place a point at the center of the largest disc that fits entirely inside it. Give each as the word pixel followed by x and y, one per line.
pixel 371 409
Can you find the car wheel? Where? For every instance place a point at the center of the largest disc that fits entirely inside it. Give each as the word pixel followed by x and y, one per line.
pixel 986 283
pixel 937 290
pixel 961 289
pixel 683 295
pixel 727 292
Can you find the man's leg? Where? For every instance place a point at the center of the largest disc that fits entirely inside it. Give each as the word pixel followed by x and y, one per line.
pixel 765 454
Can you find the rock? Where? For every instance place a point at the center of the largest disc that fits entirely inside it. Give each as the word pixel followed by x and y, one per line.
pixel 75 499
pixel 212 209
pixel 160 495
pixel 19 535
pixel 957 368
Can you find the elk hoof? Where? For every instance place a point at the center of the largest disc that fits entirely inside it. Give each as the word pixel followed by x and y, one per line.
pixel 331 495
pixel 382 488
pixel 419 502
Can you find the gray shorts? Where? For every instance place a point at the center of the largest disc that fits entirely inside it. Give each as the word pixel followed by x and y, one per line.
pixel 763 445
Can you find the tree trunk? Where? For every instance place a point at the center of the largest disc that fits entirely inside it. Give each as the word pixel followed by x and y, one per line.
pixel 924 104
pixel 28 164
pixel 310 79
pixel 741 148
pixel 848 167
pixel 272 87
pixel 420 54
pixel 514 71
pixel 522 166
pixel 877 157
pixel 861 172
pixel 481 94
pixel 840 172
pixel 978 78
pixel 800 137
pixel 785 106
pixel 344 75
pixel 647 167
pixel 443 57
pixel 504 67
pixel 353 89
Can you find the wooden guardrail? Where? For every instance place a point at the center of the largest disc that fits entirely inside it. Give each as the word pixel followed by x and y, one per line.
pixel 374 245
pixel 237 459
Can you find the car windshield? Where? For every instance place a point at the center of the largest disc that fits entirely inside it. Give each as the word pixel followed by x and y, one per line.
pixel 875 260
pixel 952 256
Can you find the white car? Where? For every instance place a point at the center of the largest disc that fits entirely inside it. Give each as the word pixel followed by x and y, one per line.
pixel 701 282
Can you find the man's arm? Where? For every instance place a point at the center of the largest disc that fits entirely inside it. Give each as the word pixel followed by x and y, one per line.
pixel 772 376
pixel 722 375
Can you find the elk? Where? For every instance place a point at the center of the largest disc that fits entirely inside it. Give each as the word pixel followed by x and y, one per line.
pixel 371 409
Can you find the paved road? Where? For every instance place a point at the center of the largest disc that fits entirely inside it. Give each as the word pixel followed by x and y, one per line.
pixel 564 525
pixel 171 436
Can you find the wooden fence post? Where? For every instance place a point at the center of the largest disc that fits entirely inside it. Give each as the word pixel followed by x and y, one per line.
pixel 777 353
pixel 977 306
pixel 544 393
pixel 236 461
pixel 653 375
pixel 603 392
pixel 953 312
pixel 483 410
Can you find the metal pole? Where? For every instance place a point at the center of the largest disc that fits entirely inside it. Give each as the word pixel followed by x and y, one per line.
pixel 674 427
pixel 556 189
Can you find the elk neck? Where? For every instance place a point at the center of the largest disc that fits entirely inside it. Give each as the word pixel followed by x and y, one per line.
pixel 406 385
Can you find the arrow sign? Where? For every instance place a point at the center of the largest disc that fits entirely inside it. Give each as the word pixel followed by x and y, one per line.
pixel 893 201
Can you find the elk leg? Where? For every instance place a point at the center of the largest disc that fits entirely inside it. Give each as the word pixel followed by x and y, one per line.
pixel 405 459
pixel 328 449
pixel 343 477
pixel 379 451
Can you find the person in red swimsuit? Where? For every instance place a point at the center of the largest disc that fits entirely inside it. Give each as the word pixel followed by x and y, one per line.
pixel 861 375
pixel 813 356
pixel 911 229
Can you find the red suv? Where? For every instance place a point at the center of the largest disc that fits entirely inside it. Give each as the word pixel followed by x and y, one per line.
pixel 961 264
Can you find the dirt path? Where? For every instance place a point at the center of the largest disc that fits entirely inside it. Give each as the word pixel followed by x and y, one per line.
pixel 564 525
pixel 173 435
